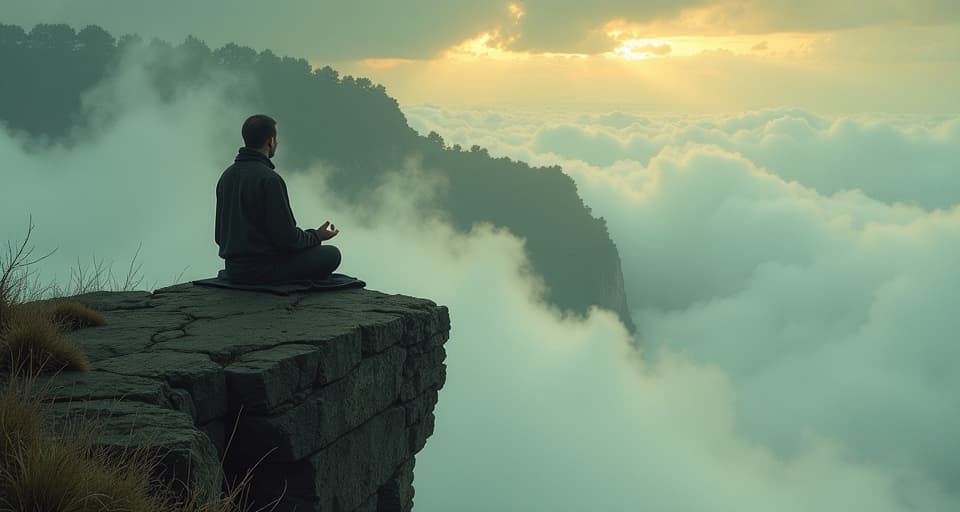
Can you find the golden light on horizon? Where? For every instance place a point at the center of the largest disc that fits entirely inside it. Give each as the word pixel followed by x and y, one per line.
pixel 486 45
pixel 385 63
pixel 478 67
pixel 494 46
pixel 640 49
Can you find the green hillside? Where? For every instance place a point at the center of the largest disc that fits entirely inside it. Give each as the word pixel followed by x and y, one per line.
pixel 345 121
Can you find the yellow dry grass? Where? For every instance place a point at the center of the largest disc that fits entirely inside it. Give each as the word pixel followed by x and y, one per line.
pixel 33 341
pixel 63 469
pixel 42 471
pixel 66 471
pixel 68 476
pixel 19 421
pixel 71 314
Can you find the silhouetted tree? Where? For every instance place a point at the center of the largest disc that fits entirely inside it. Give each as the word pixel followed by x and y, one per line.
pixel 435 138
pixel 95 40
pixel 327 73
pixel 58 37
pixel 232 55
pixel 12 36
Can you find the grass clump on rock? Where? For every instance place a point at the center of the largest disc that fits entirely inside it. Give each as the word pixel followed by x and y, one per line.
pixel 33 341
pixel 62 469
pixel 32 334
pixel 42 470
pixel 71 314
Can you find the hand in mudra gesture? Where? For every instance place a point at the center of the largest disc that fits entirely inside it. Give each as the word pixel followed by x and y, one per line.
pixel 327 231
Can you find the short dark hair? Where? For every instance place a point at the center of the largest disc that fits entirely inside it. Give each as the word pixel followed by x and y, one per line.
pixel 257 129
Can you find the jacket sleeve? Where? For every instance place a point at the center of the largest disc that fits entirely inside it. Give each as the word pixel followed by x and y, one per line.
pixel 280 224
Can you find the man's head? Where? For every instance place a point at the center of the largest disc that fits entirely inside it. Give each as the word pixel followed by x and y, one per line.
pixel 260 133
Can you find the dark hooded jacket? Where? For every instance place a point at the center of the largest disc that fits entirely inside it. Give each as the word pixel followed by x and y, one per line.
pixel 254 221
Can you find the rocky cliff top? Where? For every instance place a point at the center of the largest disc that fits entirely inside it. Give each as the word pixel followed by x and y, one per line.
pixel 349 376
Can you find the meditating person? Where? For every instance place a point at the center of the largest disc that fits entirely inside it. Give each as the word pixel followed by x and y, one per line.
pixel 255 228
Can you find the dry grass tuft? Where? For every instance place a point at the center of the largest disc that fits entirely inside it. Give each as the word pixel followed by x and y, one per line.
pixel 43 471
pixel 63 469
pixel 60 468
pixel 72 315
pixel 66 471
pixel 34 342
pixel 64 475
pixel 19 421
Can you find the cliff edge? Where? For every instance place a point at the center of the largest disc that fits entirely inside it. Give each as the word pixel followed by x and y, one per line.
pixel 331 392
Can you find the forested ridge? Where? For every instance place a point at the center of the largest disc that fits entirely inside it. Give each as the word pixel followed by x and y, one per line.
pixel 348 122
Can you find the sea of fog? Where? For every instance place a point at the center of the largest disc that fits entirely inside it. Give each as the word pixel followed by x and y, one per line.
pixel 792 276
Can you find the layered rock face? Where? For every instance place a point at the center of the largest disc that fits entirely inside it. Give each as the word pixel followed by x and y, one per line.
pixel 329 394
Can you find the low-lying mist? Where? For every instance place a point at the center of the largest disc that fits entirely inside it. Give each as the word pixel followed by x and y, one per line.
pixel 826 305
pixel 794 347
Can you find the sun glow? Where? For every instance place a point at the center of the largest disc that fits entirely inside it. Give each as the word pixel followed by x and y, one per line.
pixel 646 41
pixel 493 45
pixel 486 45
pixel 516 11
pixel 385 63
pixel 639 49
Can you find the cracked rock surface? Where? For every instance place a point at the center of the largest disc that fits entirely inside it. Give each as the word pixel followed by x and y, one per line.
pixel 330 393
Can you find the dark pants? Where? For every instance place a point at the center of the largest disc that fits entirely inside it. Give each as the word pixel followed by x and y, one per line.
pixel 314 263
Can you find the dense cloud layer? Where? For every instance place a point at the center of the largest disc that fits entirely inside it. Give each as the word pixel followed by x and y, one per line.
pixel 890 158
pixel 797 348
pixel 828 310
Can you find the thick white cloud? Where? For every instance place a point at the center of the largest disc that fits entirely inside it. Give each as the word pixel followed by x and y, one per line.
pixel 828 312
pixel 891 158
pixel 779 377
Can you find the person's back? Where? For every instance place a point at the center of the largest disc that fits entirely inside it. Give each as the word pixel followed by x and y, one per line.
pixel 255 228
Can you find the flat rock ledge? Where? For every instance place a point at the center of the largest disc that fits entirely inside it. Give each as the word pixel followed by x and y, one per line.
pixel 328 395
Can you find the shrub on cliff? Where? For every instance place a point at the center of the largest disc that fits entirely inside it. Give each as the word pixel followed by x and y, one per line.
pixel 71 314
pixel 19 422
pixel 43 471
pixel 31 335
pixel 33 341
pixel 64 470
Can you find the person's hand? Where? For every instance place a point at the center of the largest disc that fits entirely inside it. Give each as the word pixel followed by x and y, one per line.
pixel 327 231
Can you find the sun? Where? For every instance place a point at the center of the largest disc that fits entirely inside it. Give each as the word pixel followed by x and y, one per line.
pixel 640 49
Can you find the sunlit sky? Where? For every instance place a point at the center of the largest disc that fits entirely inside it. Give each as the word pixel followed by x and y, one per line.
pixel 670 55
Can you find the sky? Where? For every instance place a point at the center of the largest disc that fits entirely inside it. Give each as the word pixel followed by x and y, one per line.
pixel 790 266
pixel 719 56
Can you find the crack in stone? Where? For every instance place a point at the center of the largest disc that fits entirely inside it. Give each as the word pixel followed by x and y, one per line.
pixel 386 320
pixel 296 303
pixel 191 318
